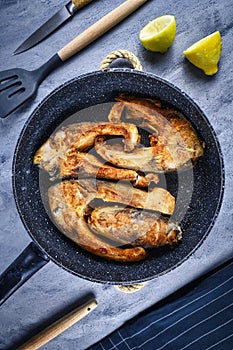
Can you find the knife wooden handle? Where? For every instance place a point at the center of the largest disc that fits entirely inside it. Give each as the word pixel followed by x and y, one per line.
pixel 80 3
pixel 59 326
pixel 99 28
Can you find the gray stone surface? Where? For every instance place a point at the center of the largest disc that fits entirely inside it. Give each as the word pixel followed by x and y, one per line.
pixel 52 290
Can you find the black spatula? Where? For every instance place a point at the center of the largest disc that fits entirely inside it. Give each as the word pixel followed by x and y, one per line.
pixel 18 85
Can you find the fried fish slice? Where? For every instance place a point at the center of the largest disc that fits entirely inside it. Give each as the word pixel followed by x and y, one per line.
pixel 141 159
pixel 81 137
pixel 174 141
pixel 158 199
pixel 134 227
pixel 166 124
pixel 158 159
pixel 80 164
pixel 68 202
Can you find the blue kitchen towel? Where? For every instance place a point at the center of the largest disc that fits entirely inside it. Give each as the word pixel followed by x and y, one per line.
pixel 198 317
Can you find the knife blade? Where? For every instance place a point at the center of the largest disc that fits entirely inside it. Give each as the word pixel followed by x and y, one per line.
pixel 52 24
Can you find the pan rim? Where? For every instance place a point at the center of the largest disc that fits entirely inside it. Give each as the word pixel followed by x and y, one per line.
pixel 187 97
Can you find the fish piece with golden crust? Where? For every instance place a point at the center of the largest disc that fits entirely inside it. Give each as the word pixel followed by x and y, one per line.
pixel 166 124
pixel 157 199
pixel 134 227
pixel 174 143
pixel 141 159
pixel 80 164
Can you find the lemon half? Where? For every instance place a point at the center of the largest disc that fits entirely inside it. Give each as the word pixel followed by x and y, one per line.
pixel 159 34
pixel 205 53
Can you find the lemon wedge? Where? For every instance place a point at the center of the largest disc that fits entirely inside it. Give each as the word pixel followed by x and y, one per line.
pixel 159 34
pixel 205 53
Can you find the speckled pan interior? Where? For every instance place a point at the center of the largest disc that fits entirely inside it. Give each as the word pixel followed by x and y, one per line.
pixel 91 89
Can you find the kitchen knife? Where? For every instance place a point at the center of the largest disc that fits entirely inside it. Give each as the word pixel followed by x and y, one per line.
pixel 53 23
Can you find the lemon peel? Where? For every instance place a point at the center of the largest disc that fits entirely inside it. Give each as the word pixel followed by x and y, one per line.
pixel 159 34
pixel 205 53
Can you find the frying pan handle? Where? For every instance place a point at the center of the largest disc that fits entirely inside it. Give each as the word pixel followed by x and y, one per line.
pixel 22 268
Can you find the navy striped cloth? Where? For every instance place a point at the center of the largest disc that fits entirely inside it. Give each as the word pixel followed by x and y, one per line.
pixel 197 317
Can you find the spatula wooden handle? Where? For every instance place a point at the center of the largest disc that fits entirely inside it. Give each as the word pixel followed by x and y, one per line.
pixel 99 28
pixel 59 326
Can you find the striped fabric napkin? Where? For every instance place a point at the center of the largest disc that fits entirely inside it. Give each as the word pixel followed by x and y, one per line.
pixel 200 316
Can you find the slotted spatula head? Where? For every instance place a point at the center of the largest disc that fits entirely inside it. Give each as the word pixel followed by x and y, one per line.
pixel 17 85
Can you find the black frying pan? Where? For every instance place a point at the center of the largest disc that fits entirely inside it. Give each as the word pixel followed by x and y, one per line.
pixel 48 243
